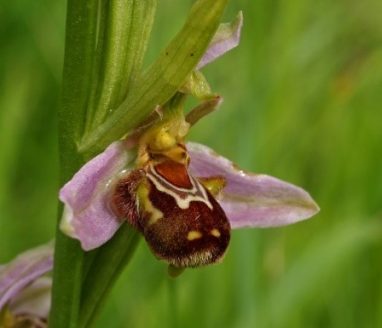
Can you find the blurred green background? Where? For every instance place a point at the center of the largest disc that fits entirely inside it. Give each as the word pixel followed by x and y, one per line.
pixel 303 101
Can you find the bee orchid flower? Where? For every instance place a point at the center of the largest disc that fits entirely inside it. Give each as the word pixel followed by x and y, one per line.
pixel 183 197
pixel 248 200
pixel 25 289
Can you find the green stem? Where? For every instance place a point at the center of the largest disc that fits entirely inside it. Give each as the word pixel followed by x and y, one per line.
pixel 80 41
pixel 97 45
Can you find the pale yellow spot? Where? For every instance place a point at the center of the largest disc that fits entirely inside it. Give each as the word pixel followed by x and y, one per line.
pixel 214 185
pixel 215 233
pixel 194 235
pixel 146 205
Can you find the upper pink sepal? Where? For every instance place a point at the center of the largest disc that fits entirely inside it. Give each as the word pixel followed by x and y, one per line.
pixel 226 38
pixel 252 200
pixel 87 216
pixel 21 275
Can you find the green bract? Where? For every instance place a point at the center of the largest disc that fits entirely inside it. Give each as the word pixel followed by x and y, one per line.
pixel 163 78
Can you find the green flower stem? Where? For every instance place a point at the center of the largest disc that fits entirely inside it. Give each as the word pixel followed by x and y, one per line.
pixel 161 81
pixel 80 42
pixel 97 45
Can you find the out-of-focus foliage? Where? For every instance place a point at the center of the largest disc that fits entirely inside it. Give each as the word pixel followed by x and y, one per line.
pixel 303 96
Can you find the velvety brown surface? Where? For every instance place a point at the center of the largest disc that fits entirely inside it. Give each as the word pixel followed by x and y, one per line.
pixel 167 237
pixel 123 199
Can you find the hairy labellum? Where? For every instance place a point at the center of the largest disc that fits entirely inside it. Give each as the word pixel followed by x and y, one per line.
pixel 179 218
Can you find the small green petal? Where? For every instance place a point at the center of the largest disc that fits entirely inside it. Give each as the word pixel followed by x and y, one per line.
pixel 197 86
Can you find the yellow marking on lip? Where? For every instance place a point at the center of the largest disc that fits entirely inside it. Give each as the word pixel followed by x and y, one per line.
pixel 215 233
pixel 145 203
pixel 192 235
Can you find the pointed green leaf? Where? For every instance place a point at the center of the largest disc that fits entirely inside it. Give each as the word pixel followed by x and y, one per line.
pixel 126 29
